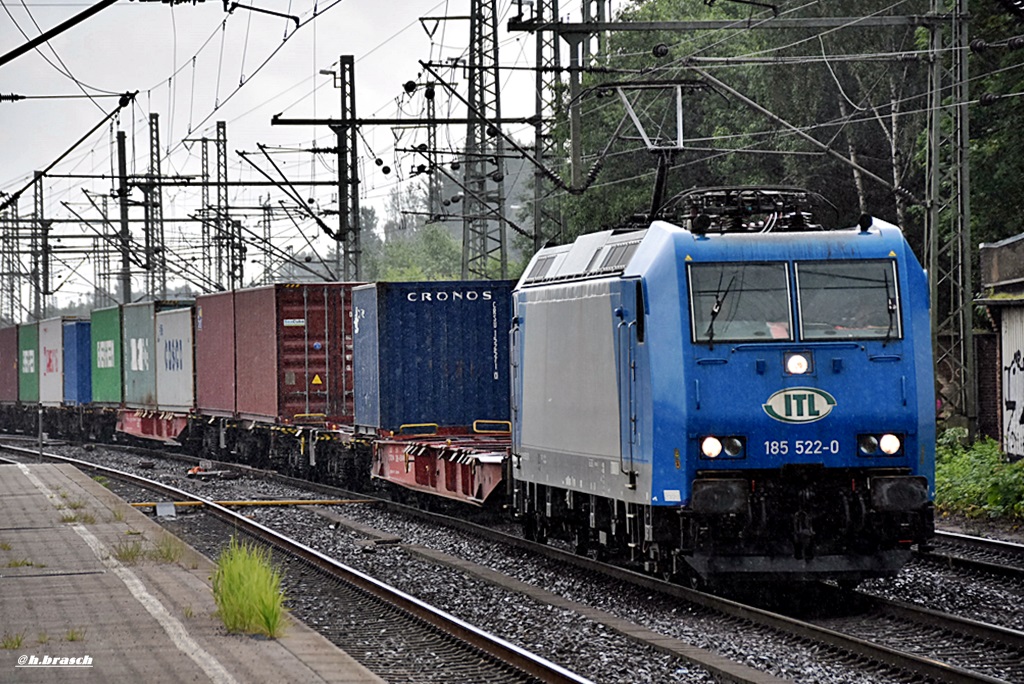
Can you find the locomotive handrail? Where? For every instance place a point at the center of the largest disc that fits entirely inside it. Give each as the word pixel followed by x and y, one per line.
pixel 631 418
pixel 631 399
pixel 513 334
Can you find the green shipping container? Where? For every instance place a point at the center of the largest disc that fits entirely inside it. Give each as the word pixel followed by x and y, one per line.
pixel 106 356
pixel 28 366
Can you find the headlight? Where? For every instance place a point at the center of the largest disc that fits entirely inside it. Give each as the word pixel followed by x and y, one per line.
pixel 868 444
pixel 797 364
pixel 711 447
pixel 889 444
pixel 886 444
pixel 723 447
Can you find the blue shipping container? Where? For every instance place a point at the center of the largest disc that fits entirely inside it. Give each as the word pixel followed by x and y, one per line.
pixel 431 353
pixel 77 362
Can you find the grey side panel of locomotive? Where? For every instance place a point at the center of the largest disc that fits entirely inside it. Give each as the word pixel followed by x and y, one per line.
pixel 570 408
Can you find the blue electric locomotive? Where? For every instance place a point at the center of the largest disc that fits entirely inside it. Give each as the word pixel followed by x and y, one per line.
pixel 731 400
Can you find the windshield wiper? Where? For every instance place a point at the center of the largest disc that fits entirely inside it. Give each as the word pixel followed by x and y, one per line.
pixel 890 305
pixel 719 298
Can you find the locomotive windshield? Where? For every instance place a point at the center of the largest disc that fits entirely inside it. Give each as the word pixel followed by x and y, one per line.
pixel 736 301
pixel 848 300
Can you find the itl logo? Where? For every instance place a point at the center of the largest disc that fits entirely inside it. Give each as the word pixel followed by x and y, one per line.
pixel 799 405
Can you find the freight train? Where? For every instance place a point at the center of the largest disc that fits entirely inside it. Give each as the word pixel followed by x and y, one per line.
pixel 736 394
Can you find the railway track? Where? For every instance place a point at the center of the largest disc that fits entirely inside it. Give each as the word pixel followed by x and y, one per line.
pixel 470 653
pixel 977 554
pixel 963 651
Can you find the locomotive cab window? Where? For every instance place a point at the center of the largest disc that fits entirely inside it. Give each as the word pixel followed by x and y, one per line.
pixel 848 300
pixel 741 301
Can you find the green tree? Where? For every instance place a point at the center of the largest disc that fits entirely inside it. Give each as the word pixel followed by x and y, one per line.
pixel 850 89
pixel 997 147
pixel 430 254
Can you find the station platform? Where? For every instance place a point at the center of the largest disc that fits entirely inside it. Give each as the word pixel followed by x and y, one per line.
pixel 71 612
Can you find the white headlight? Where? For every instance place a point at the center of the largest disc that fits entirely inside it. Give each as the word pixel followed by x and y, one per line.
pixel 711 447
pixel 797 364
pixel 889 444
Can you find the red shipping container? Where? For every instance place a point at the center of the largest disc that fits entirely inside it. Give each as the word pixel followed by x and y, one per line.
pixel 9 365
pixel 215 354
pixel 293 353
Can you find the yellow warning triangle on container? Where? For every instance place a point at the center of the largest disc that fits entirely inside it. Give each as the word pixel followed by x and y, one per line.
pixel 317 380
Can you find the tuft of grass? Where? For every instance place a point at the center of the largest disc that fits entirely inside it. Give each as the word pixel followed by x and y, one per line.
pixel 168 549
pixel 11 642
pixel 20 563
pixel 75 634
pixel 247 590
pixel 102 479
pixel 977 480
pixel 129 554
pixel 119 514
pixel 43 638
pixel 188 612
pixel 80 517
pixel 4 546
pixel 76 505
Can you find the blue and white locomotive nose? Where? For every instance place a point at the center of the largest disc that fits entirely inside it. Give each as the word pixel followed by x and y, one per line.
pixel 801 356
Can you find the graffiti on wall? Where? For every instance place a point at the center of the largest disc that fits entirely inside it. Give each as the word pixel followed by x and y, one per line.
pixel 1013 402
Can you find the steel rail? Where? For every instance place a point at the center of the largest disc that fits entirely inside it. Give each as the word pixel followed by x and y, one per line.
pixel 508 653
pixel 1009 550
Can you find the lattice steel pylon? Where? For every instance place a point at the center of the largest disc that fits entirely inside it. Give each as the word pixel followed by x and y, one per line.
pixel 228 233
pixel 484 248
pixel 348 248
pixel 39 251
pixel 156 255
pixel 548 217
pixel 948 227
pixel 11 271
pixel 206 217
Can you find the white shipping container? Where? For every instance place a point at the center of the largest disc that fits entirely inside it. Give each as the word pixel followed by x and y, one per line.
pixel 175 379
pixel 51 362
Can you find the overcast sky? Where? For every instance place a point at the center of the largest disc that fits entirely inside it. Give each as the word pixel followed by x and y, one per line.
pixel 195 65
